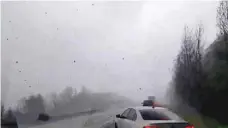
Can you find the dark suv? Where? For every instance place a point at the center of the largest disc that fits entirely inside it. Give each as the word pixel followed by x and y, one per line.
pixel 148 103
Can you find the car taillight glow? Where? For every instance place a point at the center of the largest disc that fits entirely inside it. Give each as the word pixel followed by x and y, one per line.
pixel 190 126
pixel 151 126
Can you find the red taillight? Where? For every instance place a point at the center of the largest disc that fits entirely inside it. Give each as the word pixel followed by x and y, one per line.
pixel 190 126
pixel 151 126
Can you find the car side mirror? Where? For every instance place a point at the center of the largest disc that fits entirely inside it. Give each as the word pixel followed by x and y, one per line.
pixel 118 116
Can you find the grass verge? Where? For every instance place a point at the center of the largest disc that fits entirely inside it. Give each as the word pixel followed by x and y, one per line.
pixel 202 122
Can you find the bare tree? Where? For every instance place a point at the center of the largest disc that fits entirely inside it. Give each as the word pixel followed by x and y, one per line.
pixel 67 94
pixel 222 17
pixel 34 105
pixel 2 110
pixel 188 67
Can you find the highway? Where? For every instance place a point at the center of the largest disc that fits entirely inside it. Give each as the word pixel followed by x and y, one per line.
pixel 87 121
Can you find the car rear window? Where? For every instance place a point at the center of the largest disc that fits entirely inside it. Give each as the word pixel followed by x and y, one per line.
pixel 152 114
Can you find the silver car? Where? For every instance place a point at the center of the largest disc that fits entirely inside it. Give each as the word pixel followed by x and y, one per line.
pixel 148 117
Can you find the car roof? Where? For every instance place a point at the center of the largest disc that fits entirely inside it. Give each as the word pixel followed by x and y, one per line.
pixel 148 107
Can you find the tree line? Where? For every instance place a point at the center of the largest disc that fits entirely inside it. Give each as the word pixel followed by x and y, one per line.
pixel 200 77
pixel 67 102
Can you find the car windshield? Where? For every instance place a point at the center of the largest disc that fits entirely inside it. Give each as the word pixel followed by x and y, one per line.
pixel 77 63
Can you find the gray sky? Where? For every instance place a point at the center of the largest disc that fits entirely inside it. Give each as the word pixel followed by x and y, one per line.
pixel 117 46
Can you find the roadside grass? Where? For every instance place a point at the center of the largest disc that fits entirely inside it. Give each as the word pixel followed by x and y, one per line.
pixel 193 117
pixel 202 122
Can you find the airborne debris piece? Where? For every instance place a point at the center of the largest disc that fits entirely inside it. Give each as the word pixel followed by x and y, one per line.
pixel 92 4
pixel 16 62
pixel 74 61
pixel 7 39
pixel 45 12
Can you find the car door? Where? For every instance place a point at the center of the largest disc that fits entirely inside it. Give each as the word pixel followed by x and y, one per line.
pixel 129 121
